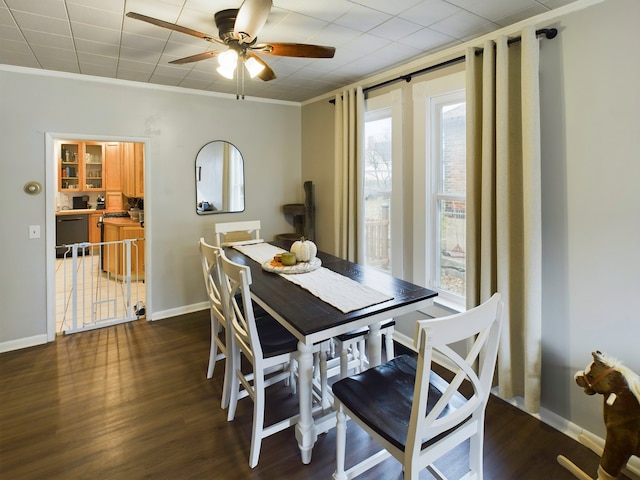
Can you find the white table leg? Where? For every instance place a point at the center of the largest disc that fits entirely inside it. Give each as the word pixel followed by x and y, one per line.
pixel 304 429
pixel 374 347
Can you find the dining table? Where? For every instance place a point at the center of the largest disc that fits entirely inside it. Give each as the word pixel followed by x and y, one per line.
pixel 312 321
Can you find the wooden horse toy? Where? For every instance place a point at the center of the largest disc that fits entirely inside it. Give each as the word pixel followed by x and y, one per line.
pixel 620 388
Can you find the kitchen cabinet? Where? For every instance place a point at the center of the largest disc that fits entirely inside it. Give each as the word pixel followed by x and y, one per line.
pixel 133 170
pixel 94 229
pixel 113 167
pixel 81 167
pixel 118 229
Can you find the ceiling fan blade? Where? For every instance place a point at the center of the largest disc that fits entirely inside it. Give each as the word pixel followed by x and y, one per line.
pixel 295 50
pixel 252 15
pixel 195 58
pixel 266 74
pixel 174 27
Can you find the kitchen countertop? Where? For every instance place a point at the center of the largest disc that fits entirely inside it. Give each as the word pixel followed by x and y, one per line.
pixel 78 211
pixel 121 222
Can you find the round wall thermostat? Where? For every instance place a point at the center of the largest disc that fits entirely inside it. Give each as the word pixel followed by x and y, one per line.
pixel 32 188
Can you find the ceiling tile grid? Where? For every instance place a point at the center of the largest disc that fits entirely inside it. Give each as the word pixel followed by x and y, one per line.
pixel 94 37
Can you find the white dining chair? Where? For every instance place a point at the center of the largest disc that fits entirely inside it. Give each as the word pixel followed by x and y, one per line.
pixel 229 232
pixel 267 346
pixel 220 334
pixel 416 414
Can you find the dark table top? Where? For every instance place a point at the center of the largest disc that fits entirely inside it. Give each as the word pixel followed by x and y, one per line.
pixel 311 319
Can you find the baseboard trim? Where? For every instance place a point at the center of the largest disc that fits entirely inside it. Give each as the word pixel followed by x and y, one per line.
pixel 174 312
pixel 21 343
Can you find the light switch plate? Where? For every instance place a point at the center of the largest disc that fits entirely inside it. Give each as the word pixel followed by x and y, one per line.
pixel 34 231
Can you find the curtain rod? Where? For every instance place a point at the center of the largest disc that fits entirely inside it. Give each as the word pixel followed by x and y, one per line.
pixel 549 33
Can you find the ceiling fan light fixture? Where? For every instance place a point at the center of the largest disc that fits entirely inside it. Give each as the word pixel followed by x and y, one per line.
pixel 226 71
pixel 228 59
pixel 253 66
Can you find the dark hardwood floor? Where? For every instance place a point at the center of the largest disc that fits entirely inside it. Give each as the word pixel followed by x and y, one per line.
pixel 132 402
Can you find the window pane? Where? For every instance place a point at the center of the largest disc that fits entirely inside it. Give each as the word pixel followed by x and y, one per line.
pixel 453 148
pixel 452 240
pixel 377 190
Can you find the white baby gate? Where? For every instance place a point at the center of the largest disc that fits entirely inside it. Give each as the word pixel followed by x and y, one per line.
pixel 94 296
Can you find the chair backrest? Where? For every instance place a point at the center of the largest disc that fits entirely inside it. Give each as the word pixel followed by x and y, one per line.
pixel 480 327
pixel 236 231
pixel 236 281
pixel 211 271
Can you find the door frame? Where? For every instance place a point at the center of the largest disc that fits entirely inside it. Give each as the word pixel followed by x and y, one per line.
pixel 50 217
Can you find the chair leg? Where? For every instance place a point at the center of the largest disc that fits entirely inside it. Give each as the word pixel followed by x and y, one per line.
pixel 234 384
pixel 213 351
pixel 258 420
pixel 229 372
pixel 475 454
pixel 341 444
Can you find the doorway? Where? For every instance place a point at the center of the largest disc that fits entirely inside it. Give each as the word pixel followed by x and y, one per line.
pixel 98 281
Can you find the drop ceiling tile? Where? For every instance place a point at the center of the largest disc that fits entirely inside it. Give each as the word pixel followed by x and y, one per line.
pixel 135 65
pixel 200 21
pixel 427 39
pixel 95 17
pixel 11 33
pixel 293 28
pixel 97 48
pixel 327 10
pixel 429 12
pixel 42 38
pixel 495 9
pixel 156 8
pixel 463 25
pixel 110 5
pixel 395 28
pixel 98 60
pixel 95 34
pixel 11 46
pixel 19 59
pixel 48 8
pixel 133 75
pixel 362 19
pixel 5 18
pixel 334 35
pixel 98 70
pixel 30 21
pixel 138 55
pixel 392 7
pixel 141 42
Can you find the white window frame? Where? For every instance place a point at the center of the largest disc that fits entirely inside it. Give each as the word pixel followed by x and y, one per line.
pixel 426 168
pixel 393 101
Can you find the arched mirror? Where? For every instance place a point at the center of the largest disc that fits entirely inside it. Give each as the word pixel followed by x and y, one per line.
pixel 219 179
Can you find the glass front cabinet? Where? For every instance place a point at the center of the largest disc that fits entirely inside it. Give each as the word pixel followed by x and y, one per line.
pixel 81 167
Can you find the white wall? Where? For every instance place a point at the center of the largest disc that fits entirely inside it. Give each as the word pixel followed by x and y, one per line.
pixel 591 209
pixel 176 123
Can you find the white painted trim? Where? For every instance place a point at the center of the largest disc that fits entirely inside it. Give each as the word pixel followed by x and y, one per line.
pixel 174 312
pixel 22 343
pixel 131 83
pixel 50 217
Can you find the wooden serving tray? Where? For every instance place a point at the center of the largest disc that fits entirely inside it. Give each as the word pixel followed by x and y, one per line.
pixel 300 267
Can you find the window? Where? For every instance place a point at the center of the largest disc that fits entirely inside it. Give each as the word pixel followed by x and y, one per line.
pixel 382 172
pixel 440 180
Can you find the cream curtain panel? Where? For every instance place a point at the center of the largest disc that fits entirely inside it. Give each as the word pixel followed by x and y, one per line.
pixel 349 125
pixel 504 203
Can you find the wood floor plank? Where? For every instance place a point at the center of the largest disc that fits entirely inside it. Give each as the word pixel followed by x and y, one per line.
pixel 132 402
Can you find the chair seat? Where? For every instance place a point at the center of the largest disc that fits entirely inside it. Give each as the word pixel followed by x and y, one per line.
pixel 274 338
pixel 382 397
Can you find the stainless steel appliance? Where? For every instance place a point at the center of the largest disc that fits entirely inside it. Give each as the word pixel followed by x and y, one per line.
pixel 71 229
pixel 100 203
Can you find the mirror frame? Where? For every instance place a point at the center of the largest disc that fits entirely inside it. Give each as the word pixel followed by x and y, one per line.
pixel 203 156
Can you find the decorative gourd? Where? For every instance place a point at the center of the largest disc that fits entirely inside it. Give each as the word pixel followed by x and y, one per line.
pixel 305 250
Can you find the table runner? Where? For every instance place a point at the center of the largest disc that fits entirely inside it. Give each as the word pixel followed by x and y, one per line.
pixel 342 292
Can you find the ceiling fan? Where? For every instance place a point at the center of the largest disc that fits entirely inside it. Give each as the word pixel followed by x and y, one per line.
pixel 238 31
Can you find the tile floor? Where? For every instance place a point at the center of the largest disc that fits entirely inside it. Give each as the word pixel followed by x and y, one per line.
pixel 101 299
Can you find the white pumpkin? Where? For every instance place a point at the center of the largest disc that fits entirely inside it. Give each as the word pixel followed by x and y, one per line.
pixel 305 250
